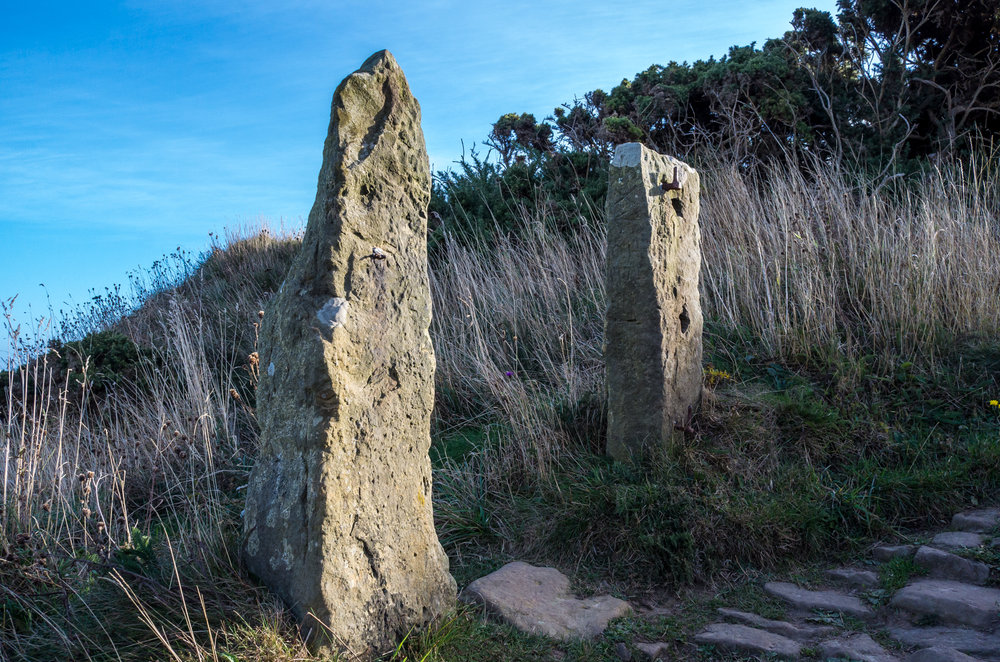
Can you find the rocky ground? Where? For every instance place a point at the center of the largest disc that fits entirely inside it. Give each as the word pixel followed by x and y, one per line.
pixel 936 599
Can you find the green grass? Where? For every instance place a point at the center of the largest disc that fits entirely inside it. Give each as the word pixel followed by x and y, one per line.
pixel 837 415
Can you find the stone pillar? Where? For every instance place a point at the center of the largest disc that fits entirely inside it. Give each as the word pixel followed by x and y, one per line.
pixel 653 328
pixel 338 519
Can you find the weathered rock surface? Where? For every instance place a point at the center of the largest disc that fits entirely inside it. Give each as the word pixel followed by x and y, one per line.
pixel 743 639
pixel 860 647
pixel 853 577
pixel 338 518
pixel 653 326
pixel 961 639
pixel 957 539
pixel 939 654
pixel 977 521
pixel 951 602
pixel 537 600
pixel 798 632
pixel 889 552
pixel 945 565
pixel 655 650
pixel 823 600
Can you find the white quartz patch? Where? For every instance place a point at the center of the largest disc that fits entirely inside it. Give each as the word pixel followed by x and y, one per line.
pixel 333 313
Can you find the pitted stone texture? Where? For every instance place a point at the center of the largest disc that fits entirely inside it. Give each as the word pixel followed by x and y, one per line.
pixel 743 639
pixel 889 552
pixel 338 518
pixel 853 577
pixel 945 565
pixel 860 647
pixel 961 639
pixel 822 600
pixel 951 602
pixel 983 520
pixel 653 326
pixel 957 540
pixel 537 600
pixel 939 654
pixel 790 630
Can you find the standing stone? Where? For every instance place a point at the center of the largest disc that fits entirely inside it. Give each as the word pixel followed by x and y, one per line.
pixel 653 326
pixel 338 518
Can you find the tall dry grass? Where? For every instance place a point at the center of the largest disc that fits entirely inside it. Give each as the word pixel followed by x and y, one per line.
pixel 816 260
pixel 797 262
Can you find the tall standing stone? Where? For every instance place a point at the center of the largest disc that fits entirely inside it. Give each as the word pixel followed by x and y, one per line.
pixel 338 519
pixel 653 326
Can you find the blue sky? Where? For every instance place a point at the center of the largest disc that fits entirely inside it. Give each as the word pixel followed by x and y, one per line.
pixel 129 129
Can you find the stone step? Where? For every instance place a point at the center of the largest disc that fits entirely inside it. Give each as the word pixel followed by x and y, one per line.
pixel 853 577
pixel 945 565
pixel 538 601
pixel 940 654
pixel 970 642
pixel 860 647
pixel 823 600
pixel 790 630
pixel 958 539
pixel 983 520
pixel 733 638
pixel 654 650
pixel 950 601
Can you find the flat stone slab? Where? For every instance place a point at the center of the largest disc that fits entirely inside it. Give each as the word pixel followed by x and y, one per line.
pixel 654 650
pixel 823 600
pixel 945 565
pixel 957 539
pixel 889 552
pixel 743 639
pixel 940 654
pixel 790 630
pixel 977 521
pixel 853 577
pixel 538 601
pixel 966 641
pixel 950 601
pixel 859 647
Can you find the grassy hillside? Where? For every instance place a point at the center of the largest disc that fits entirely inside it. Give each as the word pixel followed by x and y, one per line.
pixel 852 353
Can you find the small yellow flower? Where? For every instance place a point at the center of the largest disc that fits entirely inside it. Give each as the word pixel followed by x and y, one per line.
pixel 994 403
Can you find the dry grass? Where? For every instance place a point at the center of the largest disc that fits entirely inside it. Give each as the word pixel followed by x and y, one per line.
pixel 125 507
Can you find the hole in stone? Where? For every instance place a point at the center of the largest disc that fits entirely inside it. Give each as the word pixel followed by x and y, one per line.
pixel 685 319
pixel 367 193
pixel 678 206
pixel 675 292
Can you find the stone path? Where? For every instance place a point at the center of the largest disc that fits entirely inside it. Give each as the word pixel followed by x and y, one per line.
pixel 948 611
pixel 949 614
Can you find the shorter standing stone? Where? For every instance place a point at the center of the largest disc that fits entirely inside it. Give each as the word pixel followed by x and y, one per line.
pixel 653 324
pixel 886 553
pixel 939 654
pixel 952 602
pixel 743 639
pixel 957 540
pixel 860 647
pixel 790 630
pixel 822 600
pixel 983 520
pixel 538 601
pixel 944 565
pixel 853 577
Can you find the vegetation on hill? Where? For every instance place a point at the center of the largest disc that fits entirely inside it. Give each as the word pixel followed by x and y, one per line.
pixel 852 355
